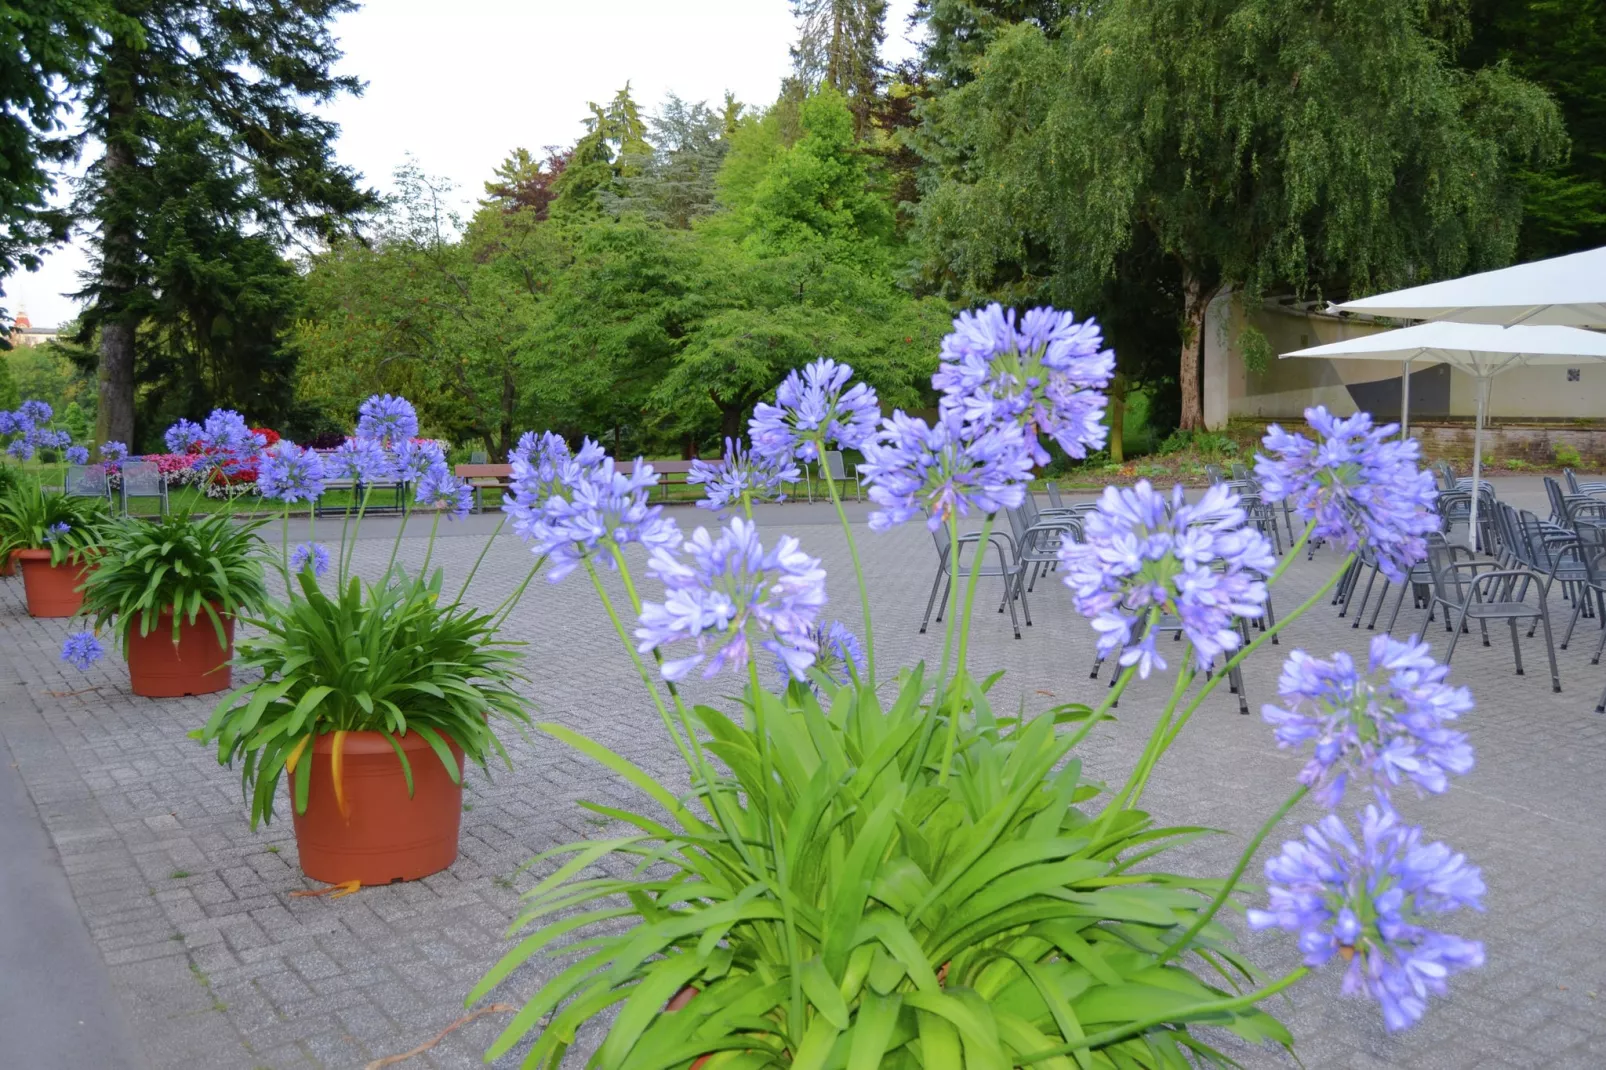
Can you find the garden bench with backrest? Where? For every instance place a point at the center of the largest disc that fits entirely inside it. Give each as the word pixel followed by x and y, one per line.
pixel 498 477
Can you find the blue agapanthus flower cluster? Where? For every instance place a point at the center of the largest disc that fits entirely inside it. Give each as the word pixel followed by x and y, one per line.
pixel 1360 486
pixel 1370 904
pixel 569 504
pixel 811 407
pixel 81 650
pixel 314 554
pixel 837 654
pixel 387 419
pixel 1198 563
pixel 77 455
pixel 725 594
pixel 416 461
pixel 362 460
pixel 57 530
pixel 742 471
pixel 1389 723
pixel 112 452
pixel 290 473
pixel 29 429
pixel 1047 374
pixel 950 469
pixel 442 491
pixel 182 436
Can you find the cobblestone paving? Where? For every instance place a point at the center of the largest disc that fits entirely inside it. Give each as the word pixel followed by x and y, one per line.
pixel 218 966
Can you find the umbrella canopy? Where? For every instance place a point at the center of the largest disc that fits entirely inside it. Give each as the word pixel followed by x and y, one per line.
pixel 1565 291
pixel 1480 350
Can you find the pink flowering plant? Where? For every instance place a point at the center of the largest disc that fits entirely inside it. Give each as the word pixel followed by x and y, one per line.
pixel 866 870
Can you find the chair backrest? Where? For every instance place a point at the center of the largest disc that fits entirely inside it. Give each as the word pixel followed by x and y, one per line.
pixel 1214 473
pixel 1240 472
pixel 1054 495
pixel 1447 581
pixel 86 481
pixel 1592 551
pixel 1559 513
pixel 478 457
pixel 1029 510
pixel 141 479
pixel 1017 523
pixel 1446 475
pixel 834 465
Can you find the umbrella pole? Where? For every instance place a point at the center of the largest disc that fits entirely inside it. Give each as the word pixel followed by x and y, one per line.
pixel 1405 403
pixel 1477 461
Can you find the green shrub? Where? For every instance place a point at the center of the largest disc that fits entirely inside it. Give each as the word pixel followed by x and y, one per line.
pixel 1567 456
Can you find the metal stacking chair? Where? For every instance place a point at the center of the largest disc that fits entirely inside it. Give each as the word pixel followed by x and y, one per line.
pixel 142 479
pixel 1168 623
pixel 1483 591
pixel 1588 548
pixel 952 568
pixel 1038 543
pixel 1567 509
pixel 1214 473
pixel 839 473
pixel 1575 487
pixel 87 481
pixel 1241 473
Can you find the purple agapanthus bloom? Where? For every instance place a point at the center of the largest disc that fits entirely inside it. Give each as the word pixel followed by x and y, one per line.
pixel 728 593
pixel 77 455
pixel 289 473
pixel 1367 902
pixel 182 435
pixel 1388 723
pixel 416 460
pixel 226 430
pixel 947 470
pixel 34 413
pixel 362 460
pixel 569 504
pixel 1048 375
pixel 837 654
pixel 313 553
pixel 1198 563
pixel 441 490
pixel 21 449
pixel 812 407
pixel 740 472
pixel 8 422
pixel 388 420
pixel 52 438
pixel 57 530
pixel 81 650
pixel 1360 486
pixel 113 451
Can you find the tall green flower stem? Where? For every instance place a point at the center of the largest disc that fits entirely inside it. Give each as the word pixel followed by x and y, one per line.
pixel 284 532
pixel 957 692
pixel 939 694
pixel 348 551
pixel 795 1023
pixel 429 550
pixel 1141 774
pixel 858 570
pixel 395 545
pixel 1182 942
pixel 480 560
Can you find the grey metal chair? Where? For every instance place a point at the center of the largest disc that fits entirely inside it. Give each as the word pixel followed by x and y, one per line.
pixel 952 567
pixel 1483 591
pixel 838 468
pixel 1567 509
pixel 142 479
pixel 87 481
pixel 1168 623
pixel 1038 544
pixel 1588 548
pixel 1214 473
pixel 1576 487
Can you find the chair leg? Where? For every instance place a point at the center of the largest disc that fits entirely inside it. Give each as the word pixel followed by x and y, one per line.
pixel 1516 650
pixel 1021 589
pixel 942 574
pixel 1571 624
pixel 1382 596
pixel 1455 633
pixel 1399 602
pixel 1550 647
pixel 1368 594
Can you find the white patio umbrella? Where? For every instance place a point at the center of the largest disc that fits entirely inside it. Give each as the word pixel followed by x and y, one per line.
pixel 1481 350
pixel 1562 291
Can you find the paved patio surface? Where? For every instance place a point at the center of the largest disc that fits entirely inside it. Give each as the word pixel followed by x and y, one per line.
pixel 215 965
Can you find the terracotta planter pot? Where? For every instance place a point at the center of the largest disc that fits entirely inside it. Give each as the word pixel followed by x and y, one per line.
pixel 195 665
pixel 8 566
pixel 678 1001
pixel 52 589
pixel 383 836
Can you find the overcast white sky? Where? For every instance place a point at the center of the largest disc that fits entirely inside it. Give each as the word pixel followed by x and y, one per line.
pixel 460 83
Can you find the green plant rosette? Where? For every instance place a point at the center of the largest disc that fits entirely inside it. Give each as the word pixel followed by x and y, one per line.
pixel 31 515
pixel 390 657
pixel 190 566
pixel 857 911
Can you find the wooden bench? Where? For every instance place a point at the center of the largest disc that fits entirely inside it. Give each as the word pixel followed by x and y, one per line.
pixel 499 477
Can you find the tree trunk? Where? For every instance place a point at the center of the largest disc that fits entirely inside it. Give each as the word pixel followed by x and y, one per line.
pixel 1196 298
pixel 730 419
pixel 114 420
pixel 1118 389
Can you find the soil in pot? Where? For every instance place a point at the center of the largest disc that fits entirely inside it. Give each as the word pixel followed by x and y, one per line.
pixel 383 835
pixel 52 589
pixel 195 665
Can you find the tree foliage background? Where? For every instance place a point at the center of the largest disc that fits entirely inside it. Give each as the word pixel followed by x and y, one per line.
pixel 646 284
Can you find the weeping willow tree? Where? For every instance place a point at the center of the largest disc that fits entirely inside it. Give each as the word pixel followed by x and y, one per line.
pixel 1324 147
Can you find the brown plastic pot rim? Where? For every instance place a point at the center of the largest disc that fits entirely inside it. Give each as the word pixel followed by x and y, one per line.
pixel 375 742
